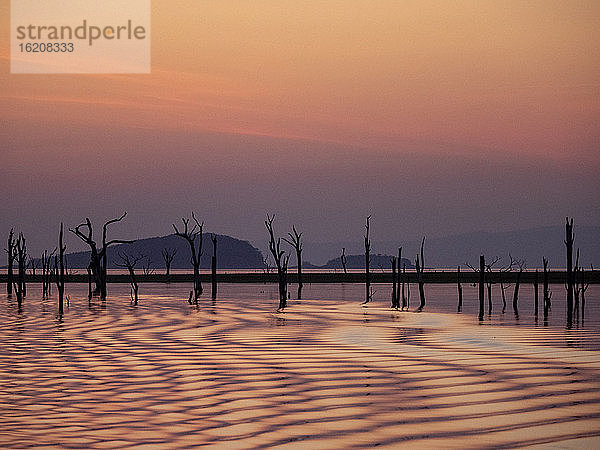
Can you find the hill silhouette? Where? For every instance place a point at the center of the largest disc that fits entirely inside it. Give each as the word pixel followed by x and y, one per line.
pixel 449 251
pixel 232 253
pixel 358 262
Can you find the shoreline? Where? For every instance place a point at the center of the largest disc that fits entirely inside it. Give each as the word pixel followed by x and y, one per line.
pixel 442 277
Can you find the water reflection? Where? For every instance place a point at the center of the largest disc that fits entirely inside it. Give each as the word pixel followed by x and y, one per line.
pixel 326 373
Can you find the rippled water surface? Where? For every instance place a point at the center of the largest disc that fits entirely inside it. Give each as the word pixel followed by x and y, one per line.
pixel 325 373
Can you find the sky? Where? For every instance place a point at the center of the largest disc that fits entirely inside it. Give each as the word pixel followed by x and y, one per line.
pixel 435 117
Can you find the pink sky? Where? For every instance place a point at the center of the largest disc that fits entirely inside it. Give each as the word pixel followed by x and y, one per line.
pixel 451 110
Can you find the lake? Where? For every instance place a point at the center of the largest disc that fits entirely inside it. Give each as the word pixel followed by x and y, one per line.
pixel 325 373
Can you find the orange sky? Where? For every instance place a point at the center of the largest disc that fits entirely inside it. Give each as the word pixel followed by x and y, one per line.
pixel 516 77
pixel 342 85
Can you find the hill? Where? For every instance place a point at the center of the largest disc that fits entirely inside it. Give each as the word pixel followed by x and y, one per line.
pixel 449 251
pixel 358 262
pixel 232 253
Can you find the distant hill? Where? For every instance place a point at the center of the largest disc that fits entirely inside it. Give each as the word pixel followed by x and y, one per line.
pixel 231 253
pixel 358 262
pixel 449 251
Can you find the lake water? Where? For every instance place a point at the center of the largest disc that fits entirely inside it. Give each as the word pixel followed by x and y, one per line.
pixel 326 373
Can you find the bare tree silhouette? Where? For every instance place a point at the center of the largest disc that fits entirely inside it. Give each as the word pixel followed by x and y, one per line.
pixel 190 235
pixel 46 260
pixel 367 241
pixel 503 286
pixel 281 262
pixel 213 267
pixel 481 272
pixel 394 290
pixel 547 292
pixel 98 257
pixel 129 262
pixel 536 294
pixel 267 267
pixel 520 263
pixel 147 268
pixel 168 254
pixel 20 286
pixel 11 251
pixel 583 288
pixel 569 239
pixel 460 291
pixel 488 268
pixel 344 260
pixel 89 273
pixel 400 280
pixel 33 264
pixel 295 240
pixel 420 266
pixel 59 270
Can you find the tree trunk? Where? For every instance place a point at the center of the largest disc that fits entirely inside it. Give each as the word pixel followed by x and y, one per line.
pixel 583 289
pixel 502 289
pixel 460 292
pixel 546 290
pixel 213 268
pixel 394 305
pixel 516 292
pixel 535 293
pixel 489 289
pixel 60 270
pixel 299 261
pixel 399 276
pixel 421 287
pixel 367 262
pixel 481 285
pixel 420 277
pixel 89 272
pixel 569 238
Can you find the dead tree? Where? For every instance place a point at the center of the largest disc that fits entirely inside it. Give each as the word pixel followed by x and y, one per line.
pixel 481 271
pixel 190 235
pixel 129 262
pixel 405 298
pixel 420 266
pixel 33 264
pixel 584 287
pixel 521 265
pixel 481 285
pixel 59 270
pixel 576 285
pixel 399 277
pixel 547 292
pixel 504 287
pixel 367 262
pixel 344 260
pixel 90 292
pixel 11 251
pixel 168 254
pixel 535 294
pixel 407 289
pixel 147 268
pixel 213 267
pixel 569 238
pixel 295 240
pixel 460 291
pixel 488 268
pixel 46 262
pixel 267 266
pixel 98 257
pixel 281 262
pixel 19 285
pixel 394 291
